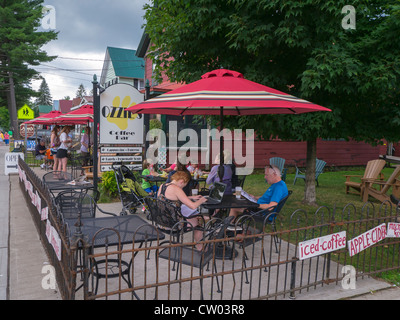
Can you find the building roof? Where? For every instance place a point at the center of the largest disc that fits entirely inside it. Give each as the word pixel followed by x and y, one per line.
pixel 81 101
pixel 125 63
pixel 65 106
pixel 143 45
pixel 45 109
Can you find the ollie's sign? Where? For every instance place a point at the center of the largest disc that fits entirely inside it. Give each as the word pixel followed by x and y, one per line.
pixel 30 130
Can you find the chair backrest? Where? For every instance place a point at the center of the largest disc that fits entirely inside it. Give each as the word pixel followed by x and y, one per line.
pixel 282 202
pixel 278 162
pixel 72 203
pixel 319 167
pixel 164 214
pixel 395 174
pixel 374 168
pixel 276 209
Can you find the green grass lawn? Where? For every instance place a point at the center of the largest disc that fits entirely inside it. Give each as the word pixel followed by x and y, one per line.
pixel 330 193
pixel 331 190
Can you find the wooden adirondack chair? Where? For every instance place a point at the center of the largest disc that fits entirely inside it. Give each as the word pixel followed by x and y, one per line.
pixel 384 186
pixel 372 172
pixel 280 163
pixel 319 168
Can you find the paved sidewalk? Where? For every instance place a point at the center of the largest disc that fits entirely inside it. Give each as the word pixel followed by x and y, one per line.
pixel 4 225
pixel 22 256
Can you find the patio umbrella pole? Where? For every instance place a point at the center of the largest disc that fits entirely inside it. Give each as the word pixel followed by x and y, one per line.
pixel 221 168
pixel 96 100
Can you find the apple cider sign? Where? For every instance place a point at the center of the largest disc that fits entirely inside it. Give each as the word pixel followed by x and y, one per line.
pixel 117 125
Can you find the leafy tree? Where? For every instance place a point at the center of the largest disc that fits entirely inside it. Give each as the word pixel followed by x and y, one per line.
pixel 20 48
pixel 81 92
pixel 297 47
pixel 4 119
pixel 44 97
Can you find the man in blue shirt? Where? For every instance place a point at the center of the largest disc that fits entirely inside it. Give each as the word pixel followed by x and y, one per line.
pixel 274 194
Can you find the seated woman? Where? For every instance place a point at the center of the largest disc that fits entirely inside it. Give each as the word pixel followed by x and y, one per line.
pixel 148 186
pixel 181 167
pixel 227 177
pixel 173 192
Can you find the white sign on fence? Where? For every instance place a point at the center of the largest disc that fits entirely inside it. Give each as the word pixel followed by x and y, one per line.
pixel 393 230
pixel 11 162
pixel 322 245
pixel 367 239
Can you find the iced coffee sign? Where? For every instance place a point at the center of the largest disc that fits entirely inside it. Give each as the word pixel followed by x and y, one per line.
pixel 322 245
pixel 117 125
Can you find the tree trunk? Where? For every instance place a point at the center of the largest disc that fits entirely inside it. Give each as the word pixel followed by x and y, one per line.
pixel 310 196
pixel 11 103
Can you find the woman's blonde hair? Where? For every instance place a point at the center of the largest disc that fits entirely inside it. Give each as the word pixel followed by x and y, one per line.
pixel 181 175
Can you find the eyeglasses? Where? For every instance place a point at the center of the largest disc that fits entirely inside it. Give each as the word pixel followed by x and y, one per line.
pixel 270 167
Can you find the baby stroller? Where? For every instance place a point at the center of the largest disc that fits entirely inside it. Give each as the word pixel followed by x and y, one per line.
pixel 130 191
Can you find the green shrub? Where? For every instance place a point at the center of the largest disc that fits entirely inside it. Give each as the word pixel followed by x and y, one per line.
pixel 109 184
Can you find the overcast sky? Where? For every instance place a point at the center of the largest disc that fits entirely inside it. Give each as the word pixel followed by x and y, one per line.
pixel 86 28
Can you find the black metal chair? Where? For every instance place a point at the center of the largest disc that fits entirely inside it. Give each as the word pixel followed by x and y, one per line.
pixel 184 254
pixel 167 218
pixel 77 163
pixel 246 226
pixel 76 204
pixel 271 213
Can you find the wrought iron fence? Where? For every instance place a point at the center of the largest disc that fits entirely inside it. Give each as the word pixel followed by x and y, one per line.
pixel 262 268
pixel 60 249
pixel 259 263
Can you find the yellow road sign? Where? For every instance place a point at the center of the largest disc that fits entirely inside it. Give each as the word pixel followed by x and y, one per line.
pixel 25 113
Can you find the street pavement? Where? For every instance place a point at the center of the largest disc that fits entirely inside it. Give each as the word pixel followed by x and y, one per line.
pixel 23 259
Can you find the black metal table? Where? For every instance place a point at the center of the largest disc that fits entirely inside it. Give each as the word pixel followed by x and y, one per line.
pixel 114 230
pixel 63 185
pixel 130 229
pixel 229 202
pixel 155 179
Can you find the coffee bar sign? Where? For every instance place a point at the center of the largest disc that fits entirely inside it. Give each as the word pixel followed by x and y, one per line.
pixel 117 125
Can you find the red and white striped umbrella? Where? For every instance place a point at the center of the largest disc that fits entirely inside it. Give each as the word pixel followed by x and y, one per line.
pixel 228 90
pixel 82 115
pixel 44 119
